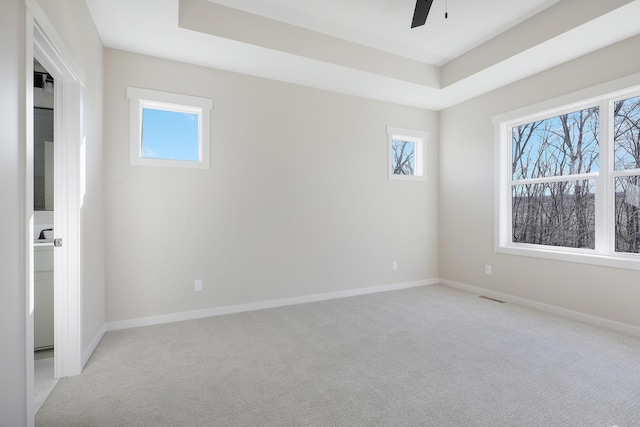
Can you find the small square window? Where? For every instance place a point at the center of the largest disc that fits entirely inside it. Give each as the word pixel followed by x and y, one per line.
pixel 169 129
pixel 406 154
pixel 169 135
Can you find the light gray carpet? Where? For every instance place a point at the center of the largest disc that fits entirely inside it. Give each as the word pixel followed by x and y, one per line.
pixel 425 356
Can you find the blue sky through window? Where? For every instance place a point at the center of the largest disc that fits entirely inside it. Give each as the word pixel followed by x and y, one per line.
pixel 557 146
pixel 170 135
pixel 403 161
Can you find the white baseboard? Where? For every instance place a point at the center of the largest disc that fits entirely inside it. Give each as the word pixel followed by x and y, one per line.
pixel 559 311
pixel 218 311
pixel 94 343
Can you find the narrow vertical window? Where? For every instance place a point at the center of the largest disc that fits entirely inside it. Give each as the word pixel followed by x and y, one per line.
pixel 403 157
pixel 626 149
pixel 406 154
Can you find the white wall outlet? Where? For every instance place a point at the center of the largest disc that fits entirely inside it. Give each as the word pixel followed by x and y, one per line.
pixel 487 269
pixel 197 285
pixel 394 265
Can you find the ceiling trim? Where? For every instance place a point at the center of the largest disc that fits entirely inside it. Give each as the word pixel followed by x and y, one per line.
pixel 221 21
pixel 206 33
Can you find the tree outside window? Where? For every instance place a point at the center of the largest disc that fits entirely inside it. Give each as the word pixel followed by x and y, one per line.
pixel 571 182
pixel 552 202
pixel 406 154
pixel 403 157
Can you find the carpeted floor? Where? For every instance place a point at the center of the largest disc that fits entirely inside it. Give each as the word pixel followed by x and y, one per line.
pixel 425 356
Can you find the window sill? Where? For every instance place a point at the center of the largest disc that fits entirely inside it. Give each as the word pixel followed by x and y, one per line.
pixel 584 256
pixel 393 177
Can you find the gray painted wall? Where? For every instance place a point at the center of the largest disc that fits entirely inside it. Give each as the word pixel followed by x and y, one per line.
pixel 467 198
pixel 297 201
pixel 12 193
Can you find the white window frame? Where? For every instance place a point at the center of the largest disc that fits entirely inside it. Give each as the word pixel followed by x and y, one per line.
pixel 146 98
pixel 604 252
pixel 419 138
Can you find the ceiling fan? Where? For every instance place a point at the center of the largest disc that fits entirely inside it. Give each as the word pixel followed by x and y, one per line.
pixel 421 13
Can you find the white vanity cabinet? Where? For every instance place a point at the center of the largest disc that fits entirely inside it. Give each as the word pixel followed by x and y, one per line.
pixel 43 297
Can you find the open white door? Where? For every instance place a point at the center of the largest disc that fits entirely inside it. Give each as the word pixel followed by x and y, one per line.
pixel 44 44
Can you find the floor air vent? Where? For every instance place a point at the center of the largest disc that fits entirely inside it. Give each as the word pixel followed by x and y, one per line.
pixel 492 299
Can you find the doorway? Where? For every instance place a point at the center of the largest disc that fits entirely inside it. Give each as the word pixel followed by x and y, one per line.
pixel 44 46
pixel 43 218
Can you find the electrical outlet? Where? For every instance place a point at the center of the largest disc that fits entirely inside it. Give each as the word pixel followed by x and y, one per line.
pixel 197 285
pixel 394 265
pixel 487 269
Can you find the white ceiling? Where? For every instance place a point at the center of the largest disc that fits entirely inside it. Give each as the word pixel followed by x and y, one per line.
pixel 385 24
pixel 366 47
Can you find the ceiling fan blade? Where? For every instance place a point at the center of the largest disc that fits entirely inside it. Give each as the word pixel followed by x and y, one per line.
pixel 421 12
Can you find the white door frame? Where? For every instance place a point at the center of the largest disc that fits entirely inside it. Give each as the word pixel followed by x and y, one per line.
pixel 44 44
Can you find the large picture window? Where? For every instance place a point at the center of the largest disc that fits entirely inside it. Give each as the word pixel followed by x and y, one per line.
pixel 569 182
